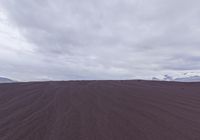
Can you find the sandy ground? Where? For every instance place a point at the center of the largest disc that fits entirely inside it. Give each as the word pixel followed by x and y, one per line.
pixel 100 110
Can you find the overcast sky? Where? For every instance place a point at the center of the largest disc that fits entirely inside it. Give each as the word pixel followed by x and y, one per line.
pixel 98 39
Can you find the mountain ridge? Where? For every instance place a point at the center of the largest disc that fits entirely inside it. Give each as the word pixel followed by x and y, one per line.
pixel 6 80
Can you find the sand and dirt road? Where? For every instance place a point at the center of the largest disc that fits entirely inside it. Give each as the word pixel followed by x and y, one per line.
pixel 100 110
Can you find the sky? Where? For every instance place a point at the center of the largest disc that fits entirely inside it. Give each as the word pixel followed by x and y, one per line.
pixel 98 39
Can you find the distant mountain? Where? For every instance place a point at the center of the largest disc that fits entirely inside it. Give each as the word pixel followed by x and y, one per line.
pixel 6 80
pixel 168 78
pixel 165 78
pixel 155 79
pixel 188 79
pixel 183 78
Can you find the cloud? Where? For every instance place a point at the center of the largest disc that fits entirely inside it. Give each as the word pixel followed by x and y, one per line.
pixel 107 39
pixel 188 62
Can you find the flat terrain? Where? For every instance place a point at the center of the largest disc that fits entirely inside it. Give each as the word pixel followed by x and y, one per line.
pixel 100 110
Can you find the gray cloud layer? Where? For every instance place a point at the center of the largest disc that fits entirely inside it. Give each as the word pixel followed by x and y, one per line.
pixel 108 39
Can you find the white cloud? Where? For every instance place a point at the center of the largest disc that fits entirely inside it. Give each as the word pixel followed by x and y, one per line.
pixel 107 39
